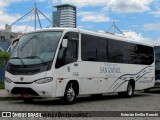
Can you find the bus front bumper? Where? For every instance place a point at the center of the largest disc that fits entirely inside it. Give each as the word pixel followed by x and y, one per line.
pixel 33 90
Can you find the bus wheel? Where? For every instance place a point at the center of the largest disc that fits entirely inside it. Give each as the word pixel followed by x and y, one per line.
pixel 70 94
pixel 129 92
pixel 146 90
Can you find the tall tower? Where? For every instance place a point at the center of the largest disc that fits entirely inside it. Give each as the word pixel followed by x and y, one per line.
pixel 9 28
pixel 65 16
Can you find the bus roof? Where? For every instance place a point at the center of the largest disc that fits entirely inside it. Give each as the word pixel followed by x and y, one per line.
pixel 100 34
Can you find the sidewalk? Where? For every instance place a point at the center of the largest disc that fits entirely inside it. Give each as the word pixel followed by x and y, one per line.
pixel 3 93
pixel 5 97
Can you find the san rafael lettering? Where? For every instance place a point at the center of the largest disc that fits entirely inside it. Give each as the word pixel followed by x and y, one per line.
pixel 110 70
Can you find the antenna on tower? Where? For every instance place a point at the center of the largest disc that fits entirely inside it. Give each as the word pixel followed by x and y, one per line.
pixel 114 27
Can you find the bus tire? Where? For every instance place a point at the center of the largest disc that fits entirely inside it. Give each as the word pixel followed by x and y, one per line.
pixel 70 94
pixel 130 91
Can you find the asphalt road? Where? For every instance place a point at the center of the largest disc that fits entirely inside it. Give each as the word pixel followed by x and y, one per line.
pixel 112 102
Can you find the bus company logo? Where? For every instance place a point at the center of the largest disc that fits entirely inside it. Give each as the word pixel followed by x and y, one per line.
pixel 21 78
pixel 6 114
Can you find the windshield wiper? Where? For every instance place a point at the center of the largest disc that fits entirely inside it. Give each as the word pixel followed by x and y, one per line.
pixel 30 57
pixel 19 59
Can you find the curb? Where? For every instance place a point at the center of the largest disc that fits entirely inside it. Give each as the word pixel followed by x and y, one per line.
pixel 4 96
pixel 8 98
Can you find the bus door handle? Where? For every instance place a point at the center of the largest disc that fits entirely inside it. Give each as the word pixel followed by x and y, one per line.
pixel 75 64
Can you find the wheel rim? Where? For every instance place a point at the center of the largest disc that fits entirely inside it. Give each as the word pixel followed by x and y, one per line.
pixel 130 90
pixel 70 94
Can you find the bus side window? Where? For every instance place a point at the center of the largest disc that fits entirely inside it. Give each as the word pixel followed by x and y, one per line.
pixel 70 54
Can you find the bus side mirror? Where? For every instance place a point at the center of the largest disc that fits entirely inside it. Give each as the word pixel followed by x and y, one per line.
pixel 64 43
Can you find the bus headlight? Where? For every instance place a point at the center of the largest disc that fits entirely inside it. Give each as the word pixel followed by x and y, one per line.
pixel 8 80
pixel 44 80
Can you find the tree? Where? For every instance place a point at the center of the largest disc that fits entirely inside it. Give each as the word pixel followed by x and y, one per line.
pixel 4 57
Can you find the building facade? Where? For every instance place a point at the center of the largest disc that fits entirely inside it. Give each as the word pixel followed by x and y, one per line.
pixel 65 16
pixel 7 34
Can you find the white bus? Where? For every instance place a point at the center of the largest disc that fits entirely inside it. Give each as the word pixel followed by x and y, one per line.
pixel 67 62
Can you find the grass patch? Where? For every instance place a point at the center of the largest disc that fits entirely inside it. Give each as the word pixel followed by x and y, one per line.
pixel 1 85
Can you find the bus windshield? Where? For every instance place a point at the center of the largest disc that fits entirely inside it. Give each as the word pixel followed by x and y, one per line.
pixel 35 48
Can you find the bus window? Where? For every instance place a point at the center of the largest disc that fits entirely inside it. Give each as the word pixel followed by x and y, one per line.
pixel 102 50
pixel 69 54
pixel 89 44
